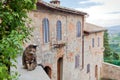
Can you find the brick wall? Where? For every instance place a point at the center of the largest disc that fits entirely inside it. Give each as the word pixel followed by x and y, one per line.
pixel 110 71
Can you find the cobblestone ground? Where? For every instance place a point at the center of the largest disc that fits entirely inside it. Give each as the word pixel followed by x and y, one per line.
pixel 37 74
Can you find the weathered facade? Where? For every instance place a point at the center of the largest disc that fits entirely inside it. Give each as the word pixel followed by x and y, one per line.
pixel 93 47
pixel 66 46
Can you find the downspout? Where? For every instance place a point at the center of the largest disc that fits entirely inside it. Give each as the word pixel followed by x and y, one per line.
pixel 82 42
pixel 66 36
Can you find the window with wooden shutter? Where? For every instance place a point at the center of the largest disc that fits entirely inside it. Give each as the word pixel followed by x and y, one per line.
pixel 78 29
pixel 59 30
pixel 46 30
pixel 98 42
pixel 93 42
pixel 88 68
pixel 77 62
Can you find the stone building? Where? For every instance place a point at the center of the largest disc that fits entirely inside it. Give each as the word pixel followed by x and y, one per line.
pixel 93 51
pixel 69 48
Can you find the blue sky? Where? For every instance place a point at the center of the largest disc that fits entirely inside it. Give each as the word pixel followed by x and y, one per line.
pixel 105 13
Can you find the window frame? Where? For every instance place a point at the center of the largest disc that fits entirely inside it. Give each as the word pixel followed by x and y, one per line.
pixel 98 41
pixel 77 61
pixel 93 42
pixel 78 29
pixel 59 30
pixel 45 28
pixel 88 68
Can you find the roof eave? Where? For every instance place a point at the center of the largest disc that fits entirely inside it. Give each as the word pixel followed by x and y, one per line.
pixel 90 32
pixel 40 2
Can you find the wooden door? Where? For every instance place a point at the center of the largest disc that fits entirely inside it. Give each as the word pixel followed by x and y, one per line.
pixel 96 72
pixel 60 68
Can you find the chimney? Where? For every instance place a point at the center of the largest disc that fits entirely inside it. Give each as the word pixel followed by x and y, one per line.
pixel 55 2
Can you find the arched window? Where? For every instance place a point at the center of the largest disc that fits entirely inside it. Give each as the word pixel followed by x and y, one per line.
pixel 78 29
pixel 59 30
pixel 46 30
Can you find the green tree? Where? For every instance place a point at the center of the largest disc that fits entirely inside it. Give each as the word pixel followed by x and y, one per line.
pixel 115 56
pixel 107 51
pixel 13 30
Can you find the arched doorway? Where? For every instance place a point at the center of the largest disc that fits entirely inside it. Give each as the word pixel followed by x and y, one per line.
pixel 96 72
pixel 60 69
pixel 48 71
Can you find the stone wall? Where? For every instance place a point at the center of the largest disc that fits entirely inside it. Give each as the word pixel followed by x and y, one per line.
pixel 72 52
pixel 92 56
pixel 110 71
pixel 47 55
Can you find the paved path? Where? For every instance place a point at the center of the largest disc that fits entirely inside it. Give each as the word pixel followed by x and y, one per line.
pixel 37 74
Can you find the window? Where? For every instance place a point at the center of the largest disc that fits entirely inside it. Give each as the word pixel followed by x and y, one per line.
pixel 78 29
pixel 59 30
pixel 46 30
pixel 98 41
pixel 88 68
pixel 77 61
pixel 93 42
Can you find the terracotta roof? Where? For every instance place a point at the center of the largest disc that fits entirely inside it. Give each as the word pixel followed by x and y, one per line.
pixel 91 28
pixel 60 8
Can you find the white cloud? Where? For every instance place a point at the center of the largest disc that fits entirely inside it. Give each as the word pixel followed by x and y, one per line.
pixel 100 14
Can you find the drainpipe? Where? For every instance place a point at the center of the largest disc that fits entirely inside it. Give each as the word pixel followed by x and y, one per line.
pixel 82 42
pixel 66 37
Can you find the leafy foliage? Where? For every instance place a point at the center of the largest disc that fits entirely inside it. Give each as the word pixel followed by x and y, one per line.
pixel 107 51
pixel 13 30
pixel 115 56
pixel 110 54
pixel 115 42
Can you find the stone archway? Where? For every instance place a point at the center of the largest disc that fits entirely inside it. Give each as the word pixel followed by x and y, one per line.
pixel 48 71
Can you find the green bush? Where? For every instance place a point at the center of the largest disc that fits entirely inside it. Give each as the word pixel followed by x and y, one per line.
pixel 14 30
pixel 115 62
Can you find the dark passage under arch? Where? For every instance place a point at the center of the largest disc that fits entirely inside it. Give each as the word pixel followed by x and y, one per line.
pixel 48 71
